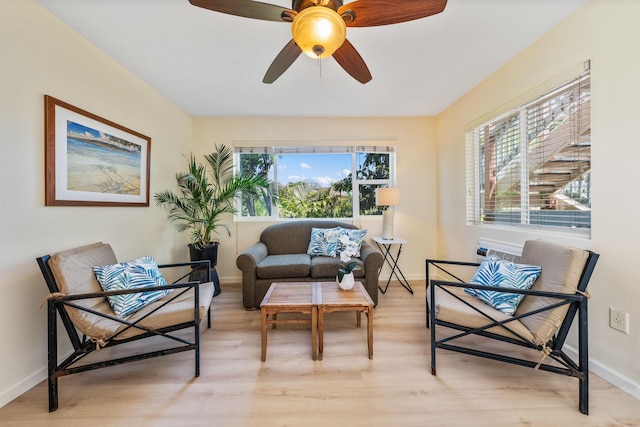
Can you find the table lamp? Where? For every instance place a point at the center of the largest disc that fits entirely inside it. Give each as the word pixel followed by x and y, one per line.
pixel 387 196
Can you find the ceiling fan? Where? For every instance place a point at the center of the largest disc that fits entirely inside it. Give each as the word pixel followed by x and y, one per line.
pixel 319 26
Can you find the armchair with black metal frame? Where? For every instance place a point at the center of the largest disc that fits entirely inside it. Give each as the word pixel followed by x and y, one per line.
pixel 92 325
pixel 541 321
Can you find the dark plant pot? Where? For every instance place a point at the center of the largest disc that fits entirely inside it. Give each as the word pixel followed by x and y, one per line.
pixel 209 252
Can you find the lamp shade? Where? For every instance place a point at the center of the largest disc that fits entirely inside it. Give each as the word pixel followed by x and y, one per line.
pixel 319 31
pixel 387 196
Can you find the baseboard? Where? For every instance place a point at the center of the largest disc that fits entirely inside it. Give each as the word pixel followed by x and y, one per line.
pixel 15 390
pixel 230 280
pixel 409 277
pixel 28 383
pixel 610 375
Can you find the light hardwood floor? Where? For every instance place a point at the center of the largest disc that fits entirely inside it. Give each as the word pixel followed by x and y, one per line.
pixel 345 389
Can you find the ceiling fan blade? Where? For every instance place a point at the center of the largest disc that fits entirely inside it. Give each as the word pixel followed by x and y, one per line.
pixel 371 13
pixel 349 59
pixel 244 8
pixel 283 61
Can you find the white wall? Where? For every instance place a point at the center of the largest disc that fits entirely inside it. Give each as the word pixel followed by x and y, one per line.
pixel 606 32
pixel 40 55
pixel 415 217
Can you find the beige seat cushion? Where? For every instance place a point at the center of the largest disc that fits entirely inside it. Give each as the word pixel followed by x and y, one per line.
pixel 73 271
pixel 562 267
pixel 449 309
pixel 178 311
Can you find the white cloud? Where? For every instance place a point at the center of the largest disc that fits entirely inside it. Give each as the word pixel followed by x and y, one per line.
pixel 345 172
pixel 305 166
pixel 324 181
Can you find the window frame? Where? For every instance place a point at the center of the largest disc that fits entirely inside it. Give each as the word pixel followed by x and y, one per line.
pixel 387 147
pixel 474 167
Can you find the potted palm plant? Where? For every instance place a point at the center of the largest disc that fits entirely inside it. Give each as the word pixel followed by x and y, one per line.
pixel 205 193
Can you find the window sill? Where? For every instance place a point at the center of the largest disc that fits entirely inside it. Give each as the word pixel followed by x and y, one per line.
pixel 577 233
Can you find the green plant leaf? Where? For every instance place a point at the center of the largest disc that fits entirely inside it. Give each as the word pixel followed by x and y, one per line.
pixel 351 266
pixel 205 194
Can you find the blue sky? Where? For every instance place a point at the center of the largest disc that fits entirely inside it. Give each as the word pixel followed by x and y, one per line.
pixel 79 129
pixel 324 169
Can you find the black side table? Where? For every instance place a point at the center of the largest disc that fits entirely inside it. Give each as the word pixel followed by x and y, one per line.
pixel 392 260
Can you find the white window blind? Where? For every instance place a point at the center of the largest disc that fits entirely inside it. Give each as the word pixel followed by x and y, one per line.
pixel 531 166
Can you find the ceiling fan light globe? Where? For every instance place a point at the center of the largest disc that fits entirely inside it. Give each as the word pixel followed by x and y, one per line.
pixel 318 29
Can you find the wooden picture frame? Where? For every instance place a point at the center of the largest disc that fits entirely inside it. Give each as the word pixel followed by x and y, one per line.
pixel 91 161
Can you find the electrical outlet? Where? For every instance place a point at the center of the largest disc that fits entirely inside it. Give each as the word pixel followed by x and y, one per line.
pixel 619 320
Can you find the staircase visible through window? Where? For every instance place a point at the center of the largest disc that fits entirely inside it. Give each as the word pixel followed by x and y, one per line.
pixel 532 165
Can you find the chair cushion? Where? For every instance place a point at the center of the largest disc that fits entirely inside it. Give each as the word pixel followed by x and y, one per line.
pixel 176 312
pixel 73 272
pixel 324 242
pixel 495 271
pixel 562 268
pixel 449 309
pixel 138 273
pixel 278 266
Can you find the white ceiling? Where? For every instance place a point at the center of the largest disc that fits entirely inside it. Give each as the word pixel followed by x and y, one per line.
pixel 212 64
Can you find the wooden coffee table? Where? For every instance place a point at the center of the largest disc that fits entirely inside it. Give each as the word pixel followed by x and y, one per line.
pixel 291 297
pixel 332 298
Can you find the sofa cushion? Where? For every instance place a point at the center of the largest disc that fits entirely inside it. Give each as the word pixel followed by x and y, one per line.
pixel 323 241
pixel 323 267
pixel 292 237
pixel 291 265
pixel 135 274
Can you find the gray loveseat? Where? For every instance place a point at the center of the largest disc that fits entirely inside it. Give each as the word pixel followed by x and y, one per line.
pixel 281 256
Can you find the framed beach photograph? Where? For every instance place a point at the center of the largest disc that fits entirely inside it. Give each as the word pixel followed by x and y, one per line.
pixel 91 161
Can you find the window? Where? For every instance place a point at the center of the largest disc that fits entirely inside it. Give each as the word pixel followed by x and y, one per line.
pixel 532 165
pixel 316 182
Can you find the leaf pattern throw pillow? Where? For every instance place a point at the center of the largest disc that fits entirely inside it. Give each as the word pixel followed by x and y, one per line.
pixel 324 242
pixel 495 271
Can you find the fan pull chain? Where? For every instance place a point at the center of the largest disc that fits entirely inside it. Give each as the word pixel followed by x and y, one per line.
pixel 319 66
pixel 319 50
